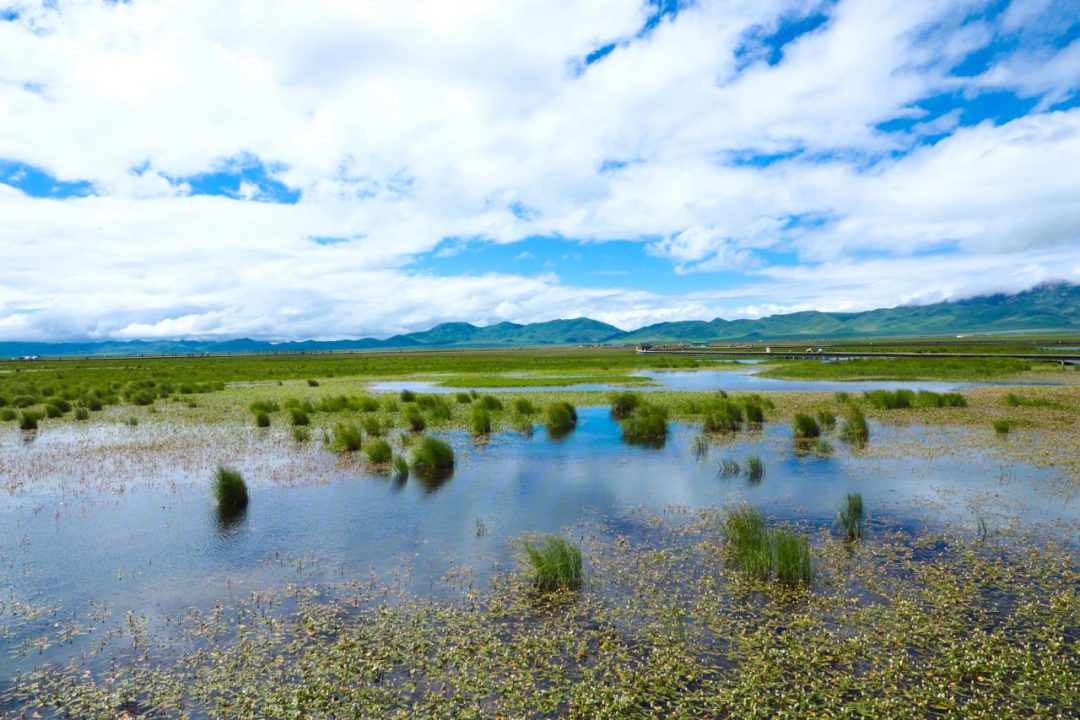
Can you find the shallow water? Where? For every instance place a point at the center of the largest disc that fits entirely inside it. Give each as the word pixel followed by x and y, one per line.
pixel 741 380
pixel 162 547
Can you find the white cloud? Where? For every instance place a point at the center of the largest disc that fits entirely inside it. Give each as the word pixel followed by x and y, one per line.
pixel 408 123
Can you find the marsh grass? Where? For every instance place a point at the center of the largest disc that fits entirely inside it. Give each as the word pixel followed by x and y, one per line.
pixel 927 399
pixel 699 446
pixel 372 427
pixel 554 563
pixel 378 451
pixel 523 425
pixel 51 411
pixel 763 554
pixel 229 487
pixel 754 468
pixel 885 400
pixel 1002 427
pixel 441 412
pixel 367 404
pixel 648 422
pixel 826 419
pixel 842 397
pixel 805 427
pixel 464 398
pixel 301 433
pixel 480 421
pixel 262 419
pixel 432 457
pixel 823 447
pixel 266 406
pixel 490 402
pixel 346 438
pixel 28 420
pixel 561 417
pixel 407 396
pixel 854 428
pixel 132 422
pixel 312 383
pixel 522 406
pixel 415 420
pixel 400 467
pixel 8 414
pixel 754 413
pixel 299 417
pixel 94 405
pixel 851 516
pixel 1014 400
pixel 82 414
pixel 722 416
pixel 624 403
pixel 791 562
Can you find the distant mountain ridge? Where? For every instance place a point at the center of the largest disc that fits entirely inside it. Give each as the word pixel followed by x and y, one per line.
pixel 1047 307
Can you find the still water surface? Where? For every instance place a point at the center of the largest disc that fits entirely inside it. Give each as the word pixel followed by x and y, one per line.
pixel 160 551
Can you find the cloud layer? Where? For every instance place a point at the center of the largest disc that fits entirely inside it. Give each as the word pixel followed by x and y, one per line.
pixel 274 169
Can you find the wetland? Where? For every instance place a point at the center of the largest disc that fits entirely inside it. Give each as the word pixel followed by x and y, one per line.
pixel 405 582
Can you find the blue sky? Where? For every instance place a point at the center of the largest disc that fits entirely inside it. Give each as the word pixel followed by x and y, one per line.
pixel 287 172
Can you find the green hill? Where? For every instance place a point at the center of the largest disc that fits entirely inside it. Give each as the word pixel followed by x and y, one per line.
pixel 1051 307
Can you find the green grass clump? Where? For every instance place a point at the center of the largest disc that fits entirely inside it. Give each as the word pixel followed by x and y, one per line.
pixel 624 403
pixel 441 412
pixel 554 562
pixel 346 438
pixel 407 396
pixel 805 427
pixel 60 404
pixel 1014 400
pixel 367 404
pixel 400 467
pixel 1002 427
pixel 747 541
pixel 480 421
pixel 561 417
pixel 51 411
pixel 299 416
pixel 928 399
pixel 372 427
pixel 524 425
pixel 522 406
pixel 266 406
pixel 94 405
pixel 432 456
pixel 854 427
pixel 842 397
pixel 901 369
pixel 415 420
pixel 723 416
pixel 823 447
pixel 28 420
pixel 791 558
pixel 378 451
pixel 852 516
pixel 132 422
pixel 301 433
pixel 490 402
pixel 751 548
pixel 464 398
pixel 230 490
pixel 82 414
pixel 262 419
pixel 826 418
pixel 8 414
pixel 885 400
pixel 312 383
pixel 755 468
pixel 754 412
pixel 648 422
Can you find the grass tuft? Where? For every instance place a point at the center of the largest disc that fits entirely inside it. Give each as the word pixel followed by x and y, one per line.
pixel 301 433
pixel 727 467
pixel 400 467
pixel 805 427
pixel 885 400
pixel 624 403
pixel 561 417
pixel 852 516
pixel 746 541
pixel 415 420
pixel 432 456
pixel 346 438
pixel 1002 427
pixel 378 451
pixel 823 447
pixel 555 563
pixel 755 469
pixel 700 447
pixel 28 420
pixel 312 383
pixel 262 419
pixel 407 396
pixel 481 421
pixel 826 418
pixel 648 422
pixel 854 427
pixel 230 488
pixel 8 414
pixel 464 398
pixel 299 417
pixel 490 402
pixel 82 414
pixel 791 558
pixel 522 406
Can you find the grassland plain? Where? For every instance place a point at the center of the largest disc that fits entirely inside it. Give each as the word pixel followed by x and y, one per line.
pixel 936 624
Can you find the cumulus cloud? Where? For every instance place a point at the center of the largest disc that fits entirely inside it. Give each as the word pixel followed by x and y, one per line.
pixel 218 140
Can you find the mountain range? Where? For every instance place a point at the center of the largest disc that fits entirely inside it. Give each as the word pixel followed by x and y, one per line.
pixel 1050 307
